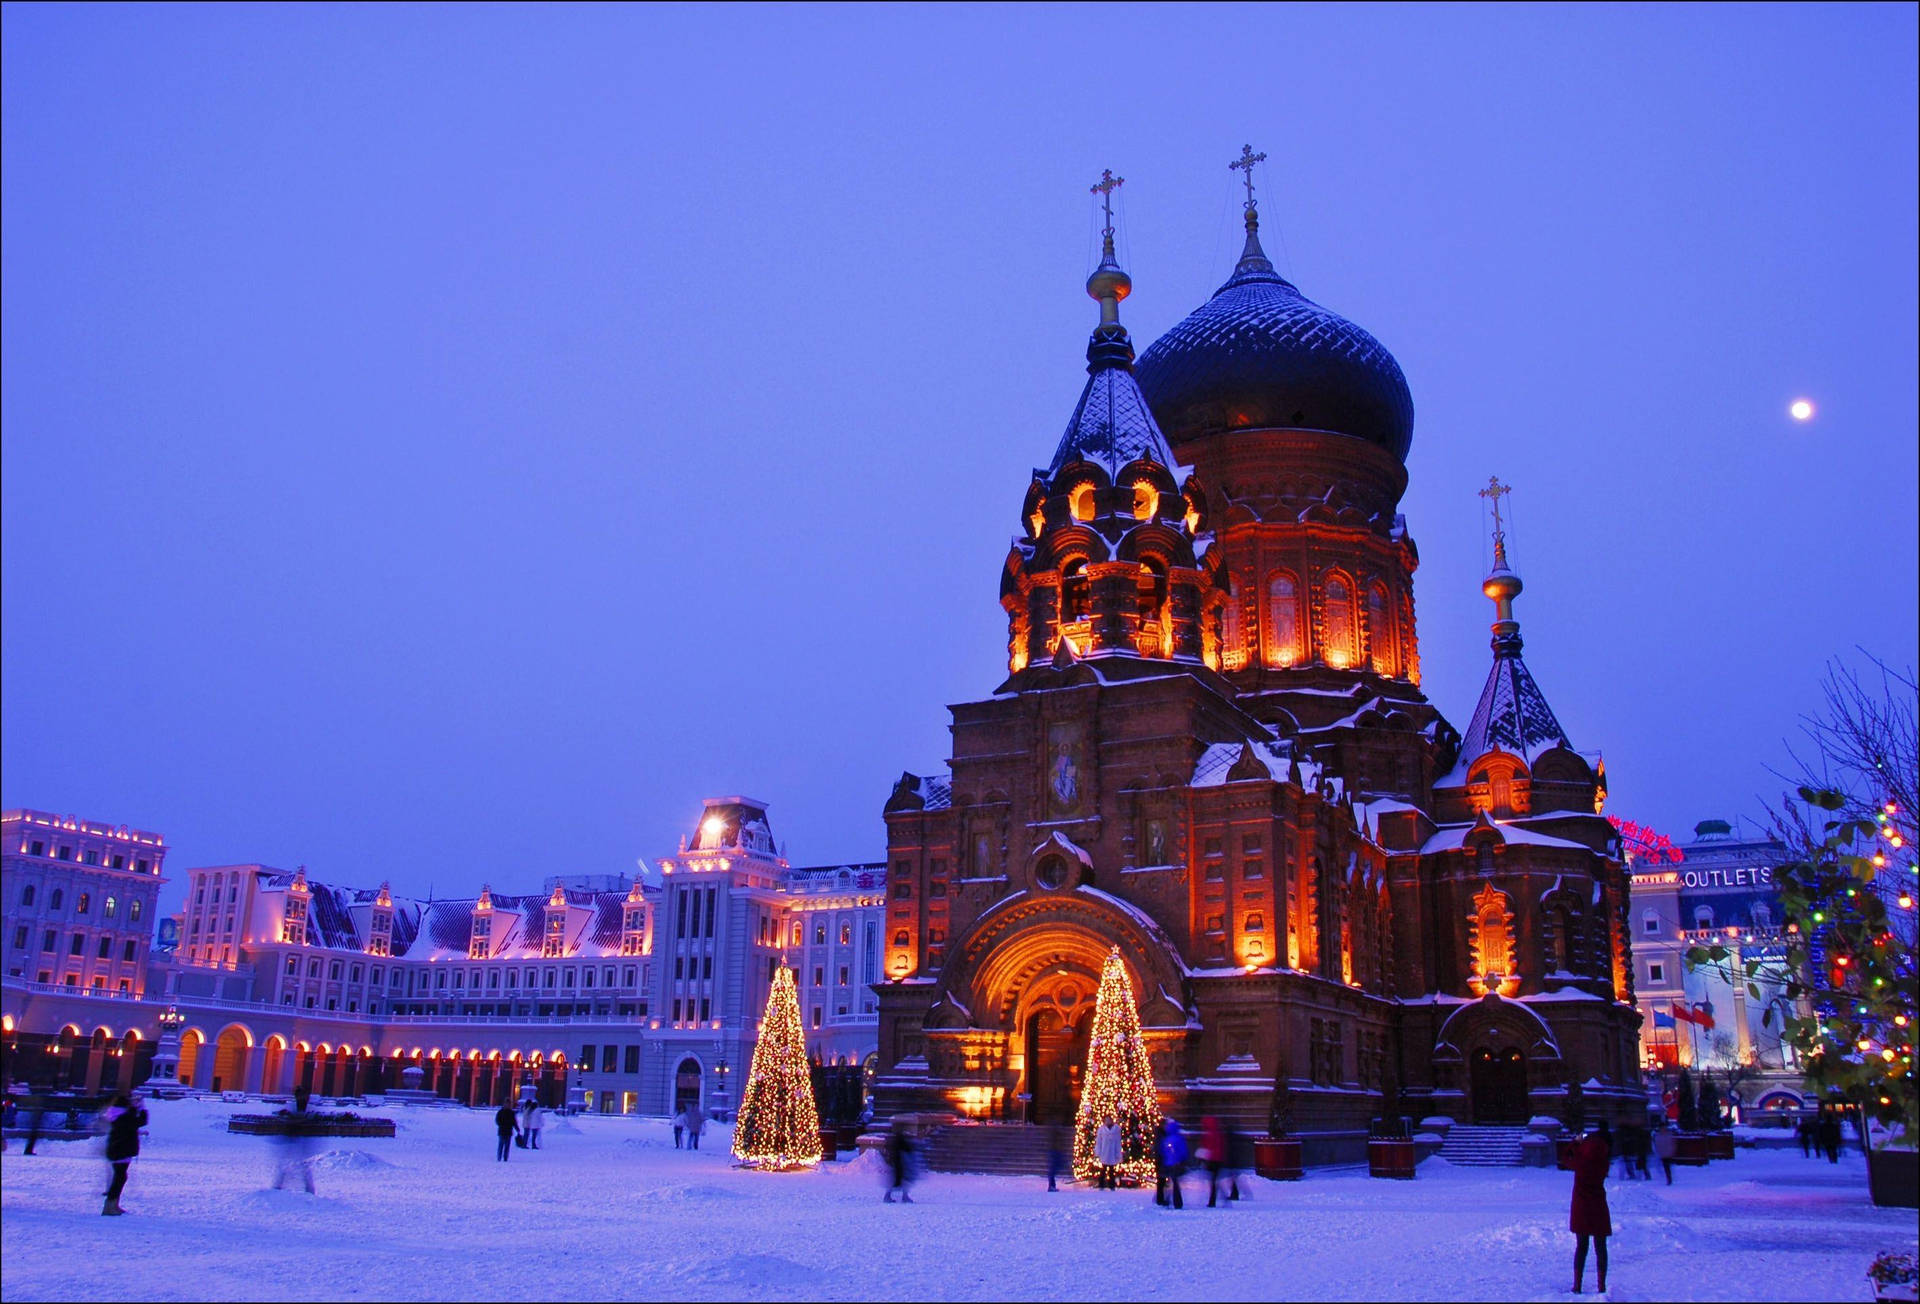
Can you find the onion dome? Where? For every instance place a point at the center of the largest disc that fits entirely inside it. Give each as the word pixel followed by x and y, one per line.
pixel 1261 354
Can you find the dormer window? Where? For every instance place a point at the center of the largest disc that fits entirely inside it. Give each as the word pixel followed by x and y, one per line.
pixel 1080 502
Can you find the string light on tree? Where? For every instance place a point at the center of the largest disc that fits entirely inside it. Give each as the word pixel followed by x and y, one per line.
pixel 1119 1081
pixel 778 1126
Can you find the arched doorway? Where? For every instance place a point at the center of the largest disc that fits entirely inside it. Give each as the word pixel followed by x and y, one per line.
pixel 1499 1081
pixel 190 1042
pixel 686 1084
pixel 230 1059
pixel 1057 1029
pixel 1056 1057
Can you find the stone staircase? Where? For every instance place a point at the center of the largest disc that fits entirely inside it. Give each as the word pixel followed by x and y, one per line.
pixel 1012 1148
pixel 1483 1147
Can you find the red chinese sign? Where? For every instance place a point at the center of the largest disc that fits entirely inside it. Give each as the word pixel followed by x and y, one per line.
pixel 1648 845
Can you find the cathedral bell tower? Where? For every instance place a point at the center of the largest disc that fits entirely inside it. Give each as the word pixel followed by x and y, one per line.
pixel 1113 559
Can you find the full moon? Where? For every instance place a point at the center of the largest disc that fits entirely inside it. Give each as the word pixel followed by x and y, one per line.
pixel 1802 409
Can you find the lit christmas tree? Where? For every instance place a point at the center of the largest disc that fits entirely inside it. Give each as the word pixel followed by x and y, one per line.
pixel 1119 1081
pixel 778 1126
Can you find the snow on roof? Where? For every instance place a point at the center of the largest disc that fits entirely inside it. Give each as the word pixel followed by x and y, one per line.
pixel 1454 836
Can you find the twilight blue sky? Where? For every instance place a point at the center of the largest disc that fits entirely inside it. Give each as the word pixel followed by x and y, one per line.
pixel 446 444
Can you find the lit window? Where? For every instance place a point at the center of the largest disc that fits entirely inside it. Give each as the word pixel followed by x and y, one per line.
pixel 1380 629
pixel 1283 620
pixel 1339 650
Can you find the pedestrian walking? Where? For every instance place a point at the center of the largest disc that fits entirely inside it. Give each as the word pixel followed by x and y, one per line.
pixel 504 1125
pixel 36 1119
pixel 1173 1159
pixel 294 1148
pixel 1829 1133
pixel 1106 1152
pixel 1666 1144
pixel 302 1094
pixel 1056 1154
pixel 679 1126
pixel 1216 1152
pixel 1589 1219
pixel 899 1162
pixel 1642 1151
pixel 127 1117
pixel 533 1122
pixel 696 1124
pixel 1803 1132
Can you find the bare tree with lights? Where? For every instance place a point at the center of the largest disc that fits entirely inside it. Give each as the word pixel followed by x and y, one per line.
pixel 1847 889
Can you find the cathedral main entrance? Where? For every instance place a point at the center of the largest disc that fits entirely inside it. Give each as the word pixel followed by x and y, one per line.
pixel 1499 1081
pixel 1056 1058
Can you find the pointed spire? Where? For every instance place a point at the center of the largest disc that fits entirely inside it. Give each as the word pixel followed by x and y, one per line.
pixel 1501 584
pixel 1253 259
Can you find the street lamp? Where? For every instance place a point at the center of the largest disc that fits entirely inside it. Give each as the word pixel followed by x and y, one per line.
pixel 720 1087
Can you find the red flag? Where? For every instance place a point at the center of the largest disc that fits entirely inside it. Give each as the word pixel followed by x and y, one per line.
pixel 1682 1012
pixel 1703 1014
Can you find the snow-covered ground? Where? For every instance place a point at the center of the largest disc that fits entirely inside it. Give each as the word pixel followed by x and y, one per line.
pixel 610 1210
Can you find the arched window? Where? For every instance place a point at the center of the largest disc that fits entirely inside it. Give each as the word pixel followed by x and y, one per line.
pixel 1340 649
pixel 1703 917
pixel 1283 620
pixel 1380 630
pixel 1232 629
pixel 1562 941
pixel 1080 502
pixel 111 907
pixel 1146 500
pixel 900 938
pixel 53 902
pixel 1153 589
pixel 133 910
pixel 1256 923
pixel 1073 591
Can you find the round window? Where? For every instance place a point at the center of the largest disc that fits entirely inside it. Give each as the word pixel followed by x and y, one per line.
pixel 1052 872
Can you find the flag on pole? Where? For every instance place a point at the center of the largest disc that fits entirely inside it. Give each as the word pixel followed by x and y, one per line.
pixel 1662 1020
pixel 1681 1012
pixel 1703 1014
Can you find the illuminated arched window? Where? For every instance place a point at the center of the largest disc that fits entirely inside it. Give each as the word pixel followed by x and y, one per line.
pixel 1233 644
pixel 1340 648
pixel 1380 630
pixel 1146 500
pixel 1080 502
pixel 1073 591
pixel 1153 589
pixel 1284 644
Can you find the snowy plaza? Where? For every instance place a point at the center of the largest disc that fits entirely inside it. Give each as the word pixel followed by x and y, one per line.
pixel 610 1210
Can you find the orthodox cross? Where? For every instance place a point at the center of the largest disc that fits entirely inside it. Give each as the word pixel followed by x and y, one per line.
pixel 1244 164
pixel 1107 185
pixel 1493 493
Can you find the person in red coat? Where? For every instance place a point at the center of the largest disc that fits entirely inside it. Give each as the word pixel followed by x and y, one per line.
pixel 1589 1218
